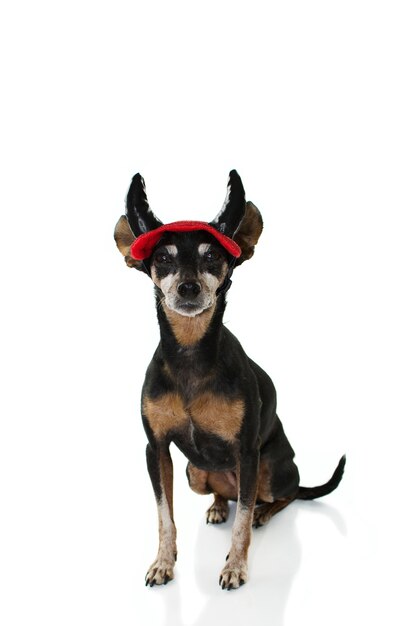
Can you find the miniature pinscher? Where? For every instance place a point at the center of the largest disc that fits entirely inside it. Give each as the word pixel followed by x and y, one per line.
pixel 201 391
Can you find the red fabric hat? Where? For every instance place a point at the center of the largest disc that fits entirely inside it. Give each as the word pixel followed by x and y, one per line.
pixel 143 246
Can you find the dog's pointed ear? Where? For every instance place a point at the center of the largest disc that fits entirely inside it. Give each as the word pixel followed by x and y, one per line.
pixel 140 217
pixel 124 238
pixel 233 210
pixel 248 233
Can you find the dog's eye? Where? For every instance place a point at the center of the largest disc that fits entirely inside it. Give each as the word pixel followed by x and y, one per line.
pixel 161 257
pixel 212 255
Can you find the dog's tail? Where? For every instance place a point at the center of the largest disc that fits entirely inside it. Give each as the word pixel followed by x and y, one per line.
pixel 310 493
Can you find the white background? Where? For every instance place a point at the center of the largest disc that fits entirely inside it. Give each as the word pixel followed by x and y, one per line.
pixel 314 103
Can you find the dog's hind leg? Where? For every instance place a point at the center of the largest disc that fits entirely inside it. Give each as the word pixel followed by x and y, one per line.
pixel 264 512
pixel 224 487
pixel 198 480
pixel 277 488
pixel 221 484
pixel 219 510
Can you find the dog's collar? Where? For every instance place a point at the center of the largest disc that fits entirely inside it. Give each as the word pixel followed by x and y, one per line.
pixel 143 245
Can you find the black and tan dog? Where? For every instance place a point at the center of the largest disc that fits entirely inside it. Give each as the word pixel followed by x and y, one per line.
pixel 202 392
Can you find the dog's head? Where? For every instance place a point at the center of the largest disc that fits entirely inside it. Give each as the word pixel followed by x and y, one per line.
pixel 189 262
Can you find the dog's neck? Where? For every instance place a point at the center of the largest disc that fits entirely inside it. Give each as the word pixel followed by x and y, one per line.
pixel 197 337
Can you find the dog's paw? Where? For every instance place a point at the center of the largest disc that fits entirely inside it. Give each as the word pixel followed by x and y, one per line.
pixel 218 513
pixel 233 575
pixel 160 572
pixel 264 512
pixel 261 515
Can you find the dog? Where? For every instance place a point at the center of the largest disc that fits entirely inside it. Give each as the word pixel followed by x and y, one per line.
pixel 201 391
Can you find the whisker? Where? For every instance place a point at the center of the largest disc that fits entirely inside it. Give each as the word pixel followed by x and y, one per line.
pixel 160 302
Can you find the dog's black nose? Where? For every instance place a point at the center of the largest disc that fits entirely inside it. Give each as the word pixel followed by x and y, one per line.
pixel 189 289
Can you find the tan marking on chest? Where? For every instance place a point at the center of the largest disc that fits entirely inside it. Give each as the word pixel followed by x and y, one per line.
pixel 165 413
pixel 189 330
pixel 219 415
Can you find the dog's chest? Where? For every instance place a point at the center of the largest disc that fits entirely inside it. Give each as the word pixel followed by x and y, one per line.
pixel 214 414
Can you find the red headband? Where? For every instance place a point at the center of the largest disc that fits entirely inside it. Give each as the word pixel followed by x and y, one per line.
pixel 143 246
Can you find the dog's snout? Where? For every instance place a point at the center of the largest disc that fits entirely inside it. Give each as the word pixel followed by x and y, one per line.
pixel 189 289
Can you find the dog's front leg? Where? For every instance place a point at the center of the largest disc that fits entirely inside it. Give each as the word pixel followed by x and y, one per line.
pixel 235 572
pixel 161 473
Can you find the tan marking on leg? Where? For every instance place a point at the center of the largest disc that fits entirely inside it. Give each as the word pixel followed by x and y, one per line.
pixel 162 569
pixel 189 330
pixel 167 480
pixel 264 512
pixel 235 572
pixel 224 484
pixel 197 479
pixel 241 534
pixel 264 493
pixel 164 413
pixel 219 415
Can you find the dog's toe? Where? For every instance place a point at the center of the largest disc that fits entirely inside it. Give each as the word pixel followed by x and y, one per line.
pixel 159 573
pixel 218 513
pixel 261 516
pixel 233 576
